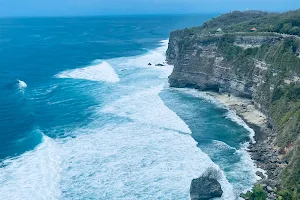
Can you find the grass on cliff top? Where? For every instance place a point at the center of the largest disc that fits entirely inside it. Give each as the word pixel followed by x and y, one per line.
pixel 236 21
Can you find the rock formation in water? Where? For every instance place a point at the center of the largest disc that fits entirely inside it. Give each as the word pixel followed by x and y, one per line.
pixel 263 65
pixel 206 187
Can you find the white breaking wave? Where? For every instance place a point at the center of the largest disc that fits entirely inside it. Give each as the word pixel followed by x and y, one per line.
pixel 157 56
pixel 132 161
pixel 246 164
pixel 147 107
pixel 231 114
pixel 146 158
pixel 98 72
pixel 244 169
pixel 235 118
pixel 35 175
pixel 222 145
pixel 22 84
pixel 119 161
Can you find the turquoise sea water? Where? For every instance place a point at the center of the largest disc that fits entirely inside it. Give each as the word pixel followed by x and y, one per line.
pixel 83 115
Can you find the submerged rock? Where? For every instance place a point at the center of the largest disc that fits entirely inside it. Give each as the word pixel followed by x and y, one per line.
pixel 205 187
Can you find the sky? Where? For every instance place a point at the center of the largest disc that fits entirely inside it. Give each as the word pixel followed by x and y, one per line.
pixel 127 7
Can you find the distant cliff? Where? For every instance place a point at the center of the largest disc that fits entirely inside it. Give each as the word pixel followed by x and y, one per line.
pixel 248 54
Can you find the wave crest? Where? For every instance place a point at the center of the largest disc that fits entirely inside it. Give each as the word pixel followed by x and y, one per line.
pixel 235 118
pixel 22 84
pixel 96 72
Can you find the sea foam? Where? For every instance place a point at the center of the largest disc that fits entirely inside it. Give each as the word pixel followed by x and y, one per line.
pixel 34 175
pixel 246 164
pixel 154 57
pixel 96 72
pixel 231 114
pixel 145 157
pixel 221 145
pixel 147 107
pixel 22 84
pixel 235 118
pixel 133 161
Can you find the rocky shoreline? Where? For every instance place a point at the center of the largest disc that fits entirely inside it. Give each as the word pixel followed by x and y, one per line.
pixel 263 151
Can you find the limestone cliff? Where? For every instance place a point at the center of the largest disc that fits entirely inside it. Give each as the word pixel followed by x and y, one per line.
pixel 201 64
pixel 263 66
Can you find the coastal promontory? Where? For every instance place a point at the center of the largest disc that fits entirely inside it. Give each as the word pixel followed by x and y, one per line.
pixel 252 55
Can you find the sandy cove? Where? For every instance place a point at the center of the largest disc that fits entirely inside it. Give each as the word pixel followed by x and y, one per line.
pixel 263 151
pixel 243 107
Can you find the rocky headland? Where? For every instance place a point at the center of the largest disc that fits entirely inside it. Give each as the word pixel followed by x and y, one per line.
pixel 256 72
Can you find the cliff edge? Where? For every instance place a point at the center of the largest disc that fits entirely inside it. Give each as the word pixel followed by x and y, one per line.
pixel 254 55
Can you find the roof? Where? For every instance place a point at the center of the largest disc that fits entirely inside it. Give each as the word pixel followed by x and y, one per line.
pixel 253 29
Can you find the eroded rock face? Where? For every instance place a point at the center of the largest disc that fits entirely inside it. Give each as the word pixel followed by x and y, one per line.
pixel 199 64
pixel 261 66
pixel 205 187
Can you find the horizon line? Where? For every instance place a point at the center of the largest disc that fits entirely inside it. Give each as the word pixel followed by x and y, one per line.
pixel 106 15
pixel 134 14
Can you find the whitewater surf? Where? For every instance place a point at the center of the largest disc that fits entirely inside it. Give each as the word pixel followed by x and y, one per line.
pixel 104 124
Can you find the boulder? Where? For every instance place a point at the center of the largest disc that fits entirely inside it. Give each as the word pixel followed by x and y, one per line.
pixel 159 65
pixel 260 174
pixel 269 189
pixel 149 64
pixel 205 187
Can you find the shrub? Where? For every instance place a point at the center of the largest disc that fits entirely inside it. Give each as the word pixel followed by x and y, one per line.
pixel 257 193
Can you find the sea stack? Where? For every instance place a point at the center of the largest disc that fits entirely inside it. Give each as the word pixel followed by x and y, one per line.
pixel 205 187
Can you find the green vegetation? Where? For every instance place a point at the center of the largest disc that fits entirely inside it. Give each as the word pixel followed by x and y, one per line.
pixel 279 95
pixel 287 23
pixel 283 104
pixel 280 98
pixel 287 195
pixel 279 92
pixel 257 193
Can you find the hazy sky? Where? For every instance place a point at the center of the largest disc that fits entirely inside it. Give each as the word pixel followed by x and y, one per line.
pixel 111 7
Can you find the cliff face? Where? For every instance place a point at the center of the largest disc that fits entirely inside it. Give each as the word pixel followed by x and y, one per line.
pixel 199 63
pixel 262 66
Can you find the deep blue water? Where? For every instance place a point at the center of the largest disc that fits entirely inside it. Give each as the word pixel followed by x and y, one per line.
pixel 83 115
pixel 35 49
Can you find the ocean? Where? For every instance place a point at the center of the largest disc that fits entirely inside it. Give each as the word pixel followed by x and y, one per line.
pixel 83 115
